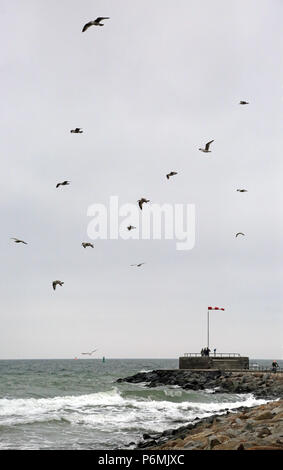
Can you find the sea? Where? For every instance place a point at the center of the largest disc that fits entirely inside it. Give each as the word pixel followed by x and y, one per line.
pixel 67 404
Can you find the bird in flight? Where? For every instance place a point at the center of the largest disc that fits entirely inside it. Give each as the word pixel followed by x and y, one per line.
pixel 172 173
pixel 89 353
pixel 54 284
pixel 244 102
pixel 96 22
pixel 62 184
pixel 18 241
pixel 239 233
pixel 242 190
pixel 85 244
pixel 141 202
pixel 77 130
pixel 206 149
pixel 131 227
pixel 138 265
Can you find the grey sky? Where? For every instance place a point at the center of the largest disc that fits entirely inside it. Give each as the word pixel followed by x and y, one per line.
pixel 158 81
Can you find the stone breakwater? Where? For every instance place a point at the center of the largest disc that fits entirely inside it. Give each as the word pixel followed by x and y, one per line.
pixel 256 428
pixel 265 385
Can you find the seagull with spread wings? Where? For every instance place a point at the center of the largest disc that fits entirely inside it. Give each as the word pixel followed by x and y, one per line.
pixel 77 130
pixel 17 240
pixel 242 190
pixel 89 353
pixel 239 233
pixel 55 283
pixel 172 173
pixel 85 244
pixel 131 227
pixel 142 201
pixel 96 22
pixel 62 184
pixel 206 149
pixel 138 265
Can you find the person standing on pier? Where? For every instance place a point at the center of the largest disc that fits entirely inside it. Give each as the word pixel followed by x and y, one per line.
pixel 275 365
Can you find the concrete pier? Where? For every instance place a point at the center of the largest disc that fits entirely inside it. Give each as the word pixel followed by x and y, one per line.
pixel 214 362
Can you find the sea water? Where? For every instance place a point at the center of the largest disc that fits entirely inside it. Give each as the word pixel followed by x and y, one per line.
pixel 77 404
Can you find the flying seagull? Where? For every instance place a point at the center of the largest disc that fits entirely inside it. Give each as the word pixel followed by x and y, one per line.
pixel 242 190
pixel 96 22
pixel 244 102
pixel 54 284
pixel 85 244
pixel 239 233
pixel 62 184
pixel 138 265
pixel 172 173
pixel 131 227
pixel 89 353
pixel 78 130
pixel 206 149
pixel 141 201
pixel 18 241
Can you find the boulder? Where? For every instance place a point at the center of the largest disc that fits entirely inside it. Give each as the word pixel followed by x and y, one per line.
pixel 264 415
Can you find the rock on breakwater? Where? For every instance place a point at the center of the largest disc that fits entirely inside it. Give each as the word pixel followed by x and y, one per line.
pixel 257 428
pixel 266 385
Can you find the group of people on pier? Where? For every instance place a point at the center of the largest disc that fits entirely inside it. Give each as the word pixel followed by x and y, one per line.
pixel 205 352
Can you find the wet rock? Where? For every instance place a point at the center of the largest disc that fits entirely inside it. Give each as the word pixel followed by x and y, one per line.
pixel 213 441
pixel 249 427
pixel 265 415
pixel 264 432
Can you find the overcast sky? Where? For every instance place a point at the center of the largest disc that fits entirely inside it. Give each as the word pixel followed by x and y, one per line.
pixel 158 81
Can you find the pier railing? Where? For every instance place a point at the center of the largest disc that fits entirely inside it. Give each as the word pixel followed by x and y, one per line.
pixel 212 355
pixel 259 368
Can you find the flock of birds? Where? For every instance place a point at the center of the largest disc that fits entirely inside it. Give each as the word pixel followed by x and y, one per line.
pixel 78 130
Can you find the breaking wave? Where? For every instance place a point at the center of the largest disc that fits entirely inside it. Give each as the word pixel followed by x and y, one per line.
pixel 151 410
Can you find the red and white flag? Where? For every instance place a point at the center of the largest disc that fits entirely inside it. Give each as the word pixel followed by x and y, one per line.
pixel 215 308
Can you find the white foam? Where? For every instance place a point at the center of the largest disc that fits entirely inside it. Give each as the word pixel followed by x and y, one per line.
pixel 42 408
pixel 110 411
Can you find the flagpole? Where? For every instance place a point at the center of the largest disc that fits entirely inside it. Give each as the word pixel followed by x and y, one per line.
pixel 207 328
pixel 210 308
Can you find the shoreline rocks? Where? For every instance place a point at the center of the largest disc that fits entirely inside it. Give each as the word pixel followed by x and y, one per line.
pixel 265 385
pixel 255 428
